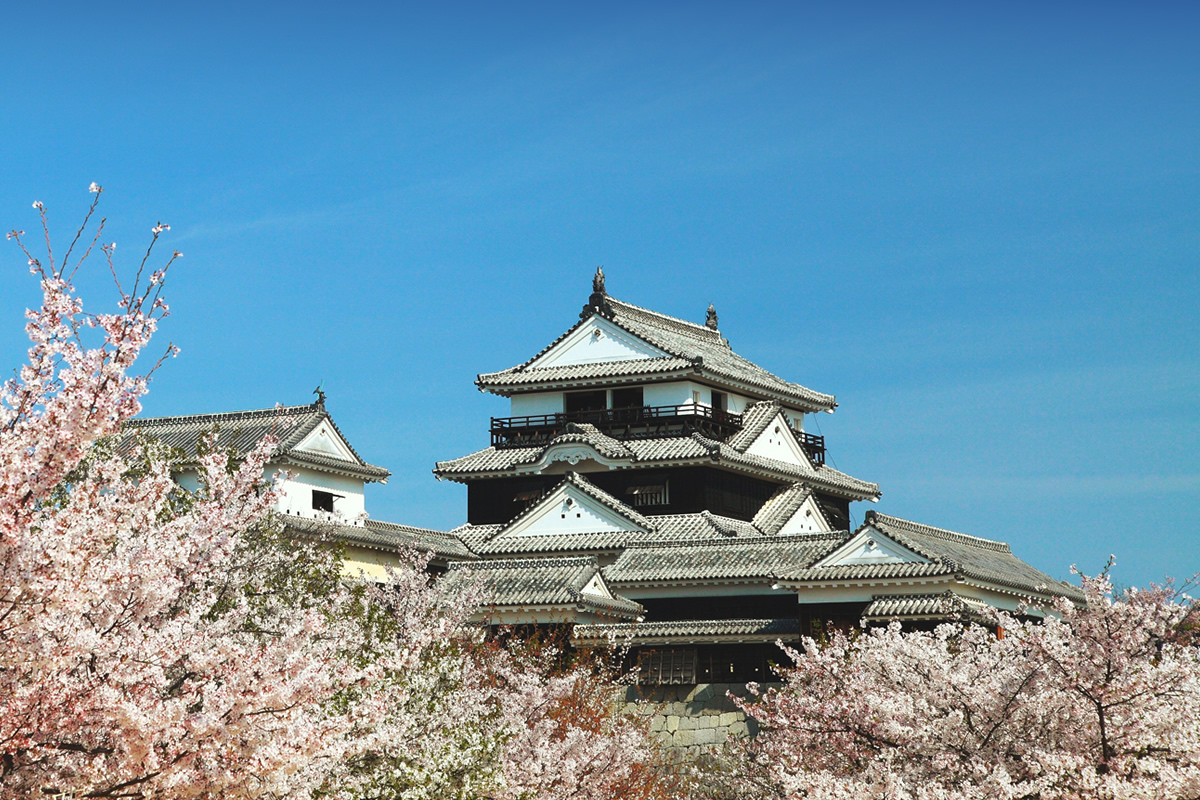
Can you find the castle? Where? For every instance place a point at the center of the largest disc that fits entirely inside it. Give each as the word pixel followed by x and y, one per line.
pixel 650 487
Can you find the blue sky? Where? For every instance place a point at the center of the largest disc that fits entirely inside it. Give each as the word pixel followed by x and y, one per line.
pixel 978 227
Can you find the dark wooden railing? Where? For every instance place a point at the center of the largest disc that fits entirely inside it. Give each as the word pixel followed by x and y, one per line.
pixel 813 444
pixel 622 423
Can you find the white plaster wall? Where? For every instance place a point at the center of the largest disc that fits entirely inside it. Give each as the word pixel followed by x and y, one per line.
pixel 680 393
pixel 369 564
pixel 537 403
pixel 296 494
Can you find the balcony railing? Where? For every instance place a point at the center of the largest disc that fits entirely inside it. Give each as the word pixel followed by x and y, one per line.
pixel 813 445
pixel 636 422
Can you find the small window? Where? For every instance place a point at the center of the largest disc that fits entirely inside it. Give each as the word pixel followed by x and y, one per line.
pixel 323 501
pixel 653 495
pixel 696 397
pixel 720 401
pixel 585 401
pixel 628 398
pixel 674 665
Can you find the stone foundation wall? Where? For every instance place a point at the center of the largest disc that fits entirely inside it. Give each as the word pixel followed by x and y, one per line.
pixel 692 719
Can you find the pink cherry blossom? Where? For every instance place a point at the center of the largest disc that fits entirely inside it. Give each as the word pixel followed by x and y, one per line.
pixel 158 642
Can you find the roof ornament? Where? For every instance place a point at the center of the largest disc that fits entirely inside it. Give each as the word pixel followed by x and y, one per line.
pixel 711 322
pixel 598 302
pixel 320 393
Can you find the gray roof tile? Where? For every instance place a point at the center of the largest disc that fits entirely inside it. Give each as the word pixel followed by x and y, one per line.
pixel 655 451
pixel 537 581
pixel 782 506
pixel 242 430
pixel 691 347
pixel 923 606
pixel 950 554
pixel 764 557
pixel 689 631
pixel 387 536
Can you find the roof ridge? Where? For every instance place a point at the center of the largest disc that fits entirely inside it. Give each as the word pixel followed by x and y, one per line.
pixel 941 533
pixel 690 327
pixel 527 563
pixel 734 541
pixel 253 413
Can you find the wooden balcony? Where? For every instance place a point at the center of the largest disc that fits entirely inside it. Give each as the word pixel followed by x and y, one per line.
pixel 813 445
pixel 636 422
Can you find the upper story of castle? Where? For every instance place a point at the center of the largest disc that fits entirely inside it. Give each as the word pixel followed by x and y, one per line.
pixel 638 401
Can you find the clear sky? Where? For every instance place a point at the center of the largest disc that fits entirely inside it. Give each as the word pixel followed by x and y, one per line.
pixel 978 227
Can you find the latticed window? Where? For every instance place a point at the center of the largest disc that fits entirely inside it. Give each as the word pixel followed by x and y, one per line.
pixel 670 665
pixel 653 495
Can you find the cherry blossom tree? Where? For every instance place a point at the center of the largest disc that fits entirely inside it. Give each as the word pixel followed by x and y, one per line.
pixel 1101 701
pixel 157 642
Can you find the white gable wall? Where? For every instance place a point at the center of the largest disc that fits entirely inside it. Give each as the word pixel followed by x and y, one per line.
pixel 777 442
pixel 807 519
pixel 569 510
pixel 325 440
pixel 597 341
pixel 870 547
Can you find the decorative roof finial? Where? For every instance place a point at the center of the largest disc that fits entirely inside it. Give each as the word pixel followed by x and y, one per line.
pixel 598 302
pixel 320 393
pixel 711 322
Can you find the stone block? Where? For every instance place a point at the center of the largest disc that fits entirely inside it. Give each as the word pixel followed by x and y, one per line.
pixel 729 717
pixel 656 724
pixel 688 723
pixel 672 723
pixel 684 738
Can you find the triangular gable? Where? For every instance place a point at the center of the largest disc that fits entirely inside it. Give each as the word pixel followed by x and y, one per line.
pixel 597 340
pixel 778 442
pixel 870 546
pixel 325 440
pixel 597 587
pixel 808 518
pixel 568 510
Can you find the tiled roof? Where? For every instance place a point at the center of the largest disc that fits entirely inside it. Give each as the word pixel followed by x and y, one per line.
pixel 538 582
pixel 689 631
pixel 443 545
pixel 978 558
pixel 922 606
pixel 755 419
pixel 949 554
pixel 655 451
pixel 765 557
pixel 692 348
pixel 520 376
pixel 386 536
pixel 782 506
pixel 240 431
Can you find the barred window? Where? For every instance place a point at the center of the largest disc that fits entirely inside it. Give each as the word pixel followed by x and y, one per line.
pixel 671 665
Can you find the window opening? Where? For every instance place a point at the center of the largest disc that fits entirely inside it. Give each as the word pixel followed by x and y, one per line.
pixel 720 401
pixel 585 401
pixel 628 398
pixel 674 665
pixel 652 495
pixel 323 501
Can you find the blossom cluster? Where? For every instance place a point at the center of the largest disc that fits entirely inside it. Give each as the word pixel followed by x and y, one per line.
pixel 158 642
pixel 1094 701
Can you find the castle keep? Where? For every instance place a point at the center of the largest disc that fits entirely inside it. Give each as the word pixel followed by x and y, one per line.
pixel 651 487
